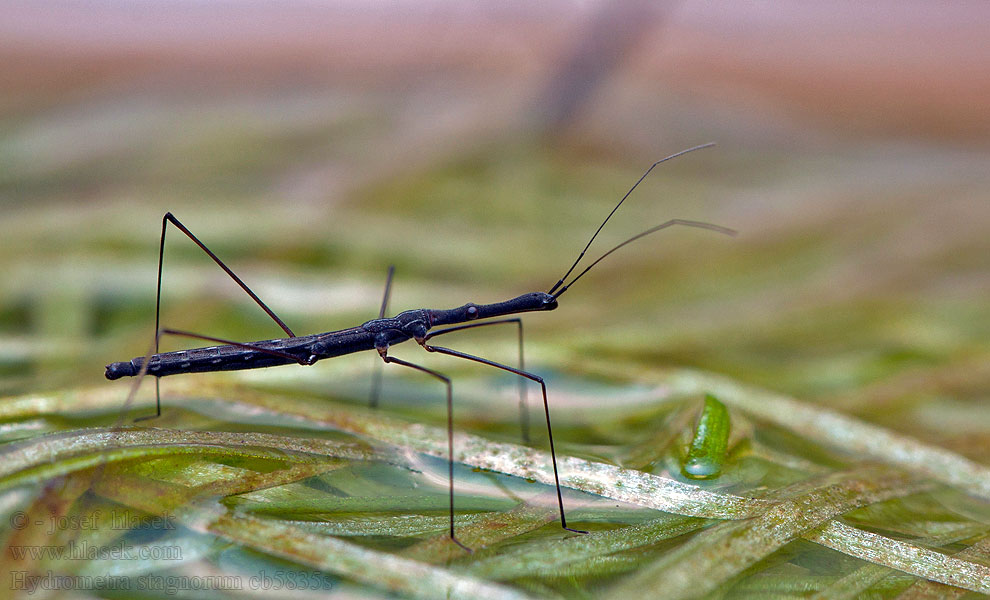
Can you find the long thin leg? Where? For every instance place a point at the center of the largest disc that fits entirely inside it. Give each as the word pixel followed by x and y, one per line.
pixel 383 351
pixel 523 407
pixel 546 409
pixel 170 218
pixel 166 331
pixel 376 374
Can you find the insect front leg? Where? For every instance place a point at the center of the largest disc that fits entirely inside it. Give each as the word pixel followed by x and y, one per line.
pixel 382 348
pixel 523 408
pixel 546 409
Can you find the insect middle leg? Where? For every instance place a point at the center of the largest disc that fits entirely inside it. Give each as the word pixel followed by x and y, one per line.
pixel 546 409
pixel 376 374
pixel 383 352
pixel 170 218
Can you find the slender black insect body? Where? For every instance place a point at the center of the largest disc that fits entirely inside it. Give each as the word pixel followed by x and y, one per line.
pixel 378 334
pixel 306 350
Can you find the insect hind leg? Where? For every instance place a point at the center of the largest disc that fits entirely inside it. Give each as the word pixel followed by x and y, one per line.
pixel 170 218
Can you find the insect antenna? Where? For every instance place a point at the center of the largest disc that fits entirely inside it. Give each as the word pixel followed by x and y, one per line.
pixel 560 282
pixel 670 223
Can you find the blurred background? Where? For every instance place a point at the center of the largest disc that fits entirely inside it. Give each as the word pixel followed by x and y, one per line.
pixel 476 147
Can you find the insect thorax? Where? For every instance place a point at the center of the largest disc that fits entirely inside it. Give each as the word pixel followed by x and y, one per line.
pixel 410 323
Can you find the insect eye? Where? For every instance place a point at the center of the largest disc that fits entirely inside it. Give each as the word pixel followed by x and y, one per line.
pixel 472 312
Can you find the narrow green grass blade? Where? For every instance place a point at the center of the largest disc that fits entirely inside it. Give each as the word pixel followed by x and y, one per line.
pixel 903 556
pixel 492 529
pixel 379 569
pixel 57 454
pixel 726 550
pixel 545 558
pixel 854 584
pixel 978 552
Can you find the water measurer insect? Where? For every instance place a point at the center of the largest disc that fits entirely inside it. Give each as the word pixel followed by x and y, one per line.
pixel 421 325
